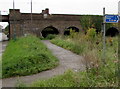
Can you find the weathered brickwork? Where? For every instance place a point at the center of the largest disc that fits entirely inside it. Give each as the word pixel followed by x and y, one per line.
pixel 20 23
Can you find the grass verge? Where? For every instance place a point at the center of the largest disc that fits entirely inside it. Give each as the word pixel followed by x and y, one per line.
pixel 70 45
pixel 97 73
pixel 79 79
pixel 26 56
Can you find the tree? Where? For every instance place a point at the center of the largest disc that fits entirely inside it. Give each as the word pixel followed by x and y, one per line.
pixel 6 30
pixel 91 21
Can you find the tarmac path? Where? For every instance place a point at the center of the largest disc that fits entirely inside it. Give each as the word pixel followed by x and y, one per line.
pixel 67 60
pixel 2 48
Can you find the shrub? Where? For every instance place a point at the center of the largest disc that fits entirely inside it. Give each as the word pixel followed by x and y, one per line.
pixel 91 59
pixel 97 74
pixel 50 36
pixel 91 34
pixel 73 33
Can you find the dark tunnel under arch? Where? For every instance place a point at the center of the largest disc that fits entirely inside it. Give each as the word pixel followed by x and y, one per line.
pixel 67 31
pixel 112 31
pixel 49 30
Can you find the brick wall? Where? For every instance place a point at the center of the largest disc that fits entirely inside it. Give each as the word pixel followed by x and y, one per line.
pixel 20 23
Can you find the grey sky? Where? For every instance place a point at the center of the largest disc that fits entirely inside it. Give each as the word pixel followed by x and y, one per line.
pixel 94 7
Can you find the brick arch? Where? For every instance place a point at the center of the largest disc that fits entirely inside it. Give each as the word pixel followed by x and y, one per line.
pixel 49 30
pixel 67 30
pixel 23 22
pixel 112 31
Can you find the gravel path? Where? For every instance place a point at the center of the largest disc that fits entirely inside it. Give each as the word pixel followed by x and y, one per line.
pixel 68 60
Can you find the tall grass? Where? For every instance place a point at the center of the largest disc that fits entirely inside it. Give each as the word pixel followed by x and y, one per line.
pixel 89 78
pixel 68 44
pixel 0 67
pixel 66 80
pixel 26 56
pixel 97 73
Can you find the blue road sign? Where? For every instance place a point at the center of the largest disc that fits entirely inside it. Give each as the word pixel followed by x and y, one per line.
pixel 111 18
pixel 119 17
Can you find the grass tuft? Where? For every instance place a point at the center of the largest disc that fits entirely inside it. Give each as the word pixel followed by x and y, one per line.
pixel 26 56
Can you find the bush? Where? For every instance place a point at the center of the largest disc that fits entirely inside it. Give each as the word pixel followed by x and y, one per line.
pixel 73 33
pixel 25 56
pixel 97 73
pixel 50 36
pixel 91 34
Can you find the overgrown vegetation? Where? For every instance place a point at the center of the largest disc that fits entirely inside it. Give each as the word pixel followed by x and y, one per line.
pixel 89 78
pixel 49 37
pixel 6 30
pixel 50 30
pixel 93 21
pixel 25 56
pixel 58 81
pixel 0 67
pixel 68 44
pixel 97 74
pixel 88 21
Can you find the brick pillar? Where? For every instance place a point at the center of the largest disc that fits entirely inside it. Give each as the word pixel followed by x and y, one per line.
pixel 14 21
pixel 61 30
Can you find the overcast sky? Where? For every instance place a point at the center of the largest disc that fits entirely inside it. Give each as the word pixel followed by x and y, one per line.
pixel 94 7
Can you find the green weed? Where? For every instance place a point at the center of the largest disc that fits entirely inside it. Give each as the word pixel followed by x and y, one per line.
pixel 26 56
pixel 76 48
pixel 97 74
pixel 66 80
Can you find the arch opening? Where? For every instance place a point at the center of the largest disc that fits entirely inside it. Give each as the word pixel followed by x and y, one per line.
pixel 67 31
pixel 112 32
pixel 49 30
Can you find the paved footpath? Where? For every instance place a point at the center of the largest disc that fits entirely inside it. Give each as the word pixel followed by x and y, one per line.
pixel 2 48
pixel 68 60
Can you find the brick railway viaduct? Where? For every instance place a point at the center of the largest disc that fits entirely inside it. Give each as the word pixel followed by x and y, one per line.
pixel 21 23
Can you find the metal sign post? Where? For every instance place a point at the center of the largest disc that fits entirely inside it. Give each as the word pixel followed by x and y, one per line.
pixel 14 22
pixel 119 45
pixel 31 18
pixel 107 19
pixel 1 56
pixel 104 45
